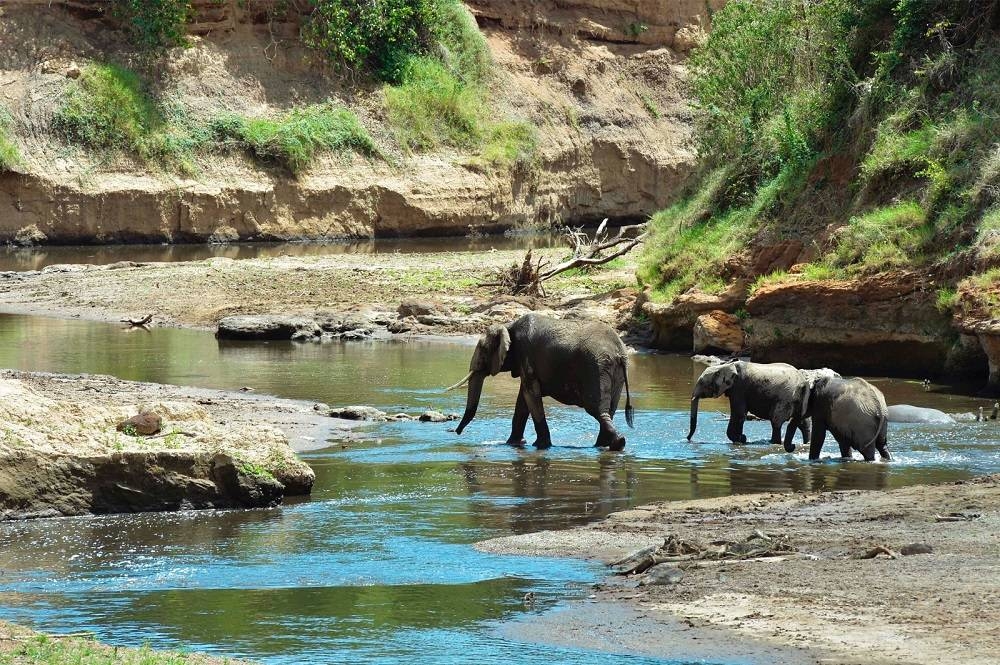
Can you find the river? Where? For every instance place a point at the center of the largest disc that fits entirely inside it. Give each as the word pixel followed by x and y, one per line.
pixel 378 566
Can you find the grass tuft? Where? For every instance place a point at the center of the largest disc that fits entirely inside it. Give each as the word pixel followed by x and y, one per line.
pixel 295 139
pixel 884 238
pixel 10 156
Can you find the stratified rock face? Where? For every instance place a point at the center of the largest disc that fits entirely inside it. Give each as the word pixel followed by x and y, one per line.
pixel 48 485
pixel 976 320
pixel 886 324
pixel 268 327
pixel 717 332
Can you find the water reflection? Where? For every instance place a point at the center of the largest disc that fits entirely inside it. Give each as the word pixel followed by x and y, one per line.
pixel 36 258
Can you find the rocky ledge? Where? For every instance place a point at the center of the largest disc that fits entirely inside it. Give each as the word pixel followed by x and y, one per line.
pixel 61 452
pixel 887 324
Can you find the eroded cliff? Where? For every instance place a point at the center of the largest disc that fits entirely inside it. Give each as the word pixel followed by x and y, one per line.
pixel 601 82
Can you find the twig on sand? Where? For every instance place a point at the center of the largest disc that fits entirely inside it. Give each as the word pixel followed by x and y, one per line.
pixel 138 323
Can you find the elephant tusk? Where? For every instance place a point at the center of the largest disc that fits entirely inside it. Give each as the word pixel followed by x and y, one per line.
pixel 460 383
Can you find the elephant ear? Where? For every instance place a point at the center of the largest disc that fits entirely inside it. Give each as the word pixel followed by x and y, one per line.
pixel 805 394
pixel 727 377
pixel 502 345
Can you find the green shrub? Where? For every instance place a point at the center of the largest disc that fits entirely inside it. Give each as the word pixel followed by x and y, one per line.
pixel 988 238
pixel 154 24
pixel 294 139
pixel 433 107
pixel 888 237
pixel 10 157
pixel 381 36
pixel 947 298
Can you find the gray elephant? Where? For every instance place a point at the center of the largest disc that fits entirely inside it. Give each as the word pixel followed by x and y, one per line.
pixel 581 363
pixel 766 390
pixel 853 410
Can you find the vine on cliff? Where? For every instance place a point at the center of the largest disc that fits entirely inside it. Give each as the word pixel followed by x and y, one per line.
pixel 154 24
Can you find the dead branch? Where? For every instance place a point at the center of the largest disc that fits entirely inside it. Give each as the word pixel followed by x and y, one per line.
pixel 594 260
pixel 138 323
pixel 875 551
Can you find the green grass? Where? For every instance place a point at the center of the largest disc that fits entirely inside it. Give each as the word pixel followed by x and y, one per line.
pixel 650 105
pixel 10 156
pixel 295 139
pixel 46 650
pixel 890 237
pixel 434 108
pixel 256 470
pixel 988 239
pixel 109 110
pixel 946 300
pixel 510 143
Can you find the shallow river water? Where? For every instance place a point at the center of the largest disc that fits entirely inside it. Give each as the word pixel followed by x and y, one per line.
pixel 378 566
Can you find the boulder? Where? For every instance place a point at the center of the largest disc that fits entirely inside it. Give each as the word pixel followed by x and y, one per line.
pixel 413 307
pixel 718 332
pixel 436 417
pixel 267 327
pixel 146 424
pixel 368 413
pixel 673 323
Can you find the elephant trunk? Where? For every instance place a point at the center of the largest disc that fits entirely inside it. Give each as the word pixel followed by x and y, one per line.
pixel 694 417
pixel 472 401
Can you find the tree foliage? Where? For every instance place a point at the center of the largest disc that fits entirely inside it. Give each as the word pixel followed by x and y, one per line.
pixel 154 24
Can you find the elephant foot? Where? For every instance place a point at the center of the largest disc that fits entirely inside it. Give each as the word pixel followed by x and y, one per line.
pixel 542 444
pixel 789 447
pixel 517 443
pixel 619 444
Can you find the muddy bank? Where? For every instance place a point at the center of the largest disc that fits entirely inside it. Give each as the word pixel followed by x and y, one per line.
pixel 417 293
pixel 63 452
pixel 821 597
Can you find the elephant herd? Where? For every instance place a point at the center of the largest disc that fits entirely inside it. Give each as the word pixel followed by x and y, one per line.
pixel 585 364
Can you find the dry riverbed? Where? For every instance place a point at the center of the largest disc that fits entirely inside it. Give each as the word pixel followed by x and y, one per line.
pixel 200 293
pixel 821 601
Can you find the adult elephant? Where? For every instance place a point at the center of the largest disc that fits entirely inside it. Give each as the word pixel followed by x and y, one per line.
pixel 766 390
pixel 581 363
pixel 853 410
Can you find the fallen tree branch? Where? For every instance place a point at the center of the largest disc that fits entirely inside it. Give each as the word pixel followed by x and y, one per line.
pixel 138 323
pixel 580 261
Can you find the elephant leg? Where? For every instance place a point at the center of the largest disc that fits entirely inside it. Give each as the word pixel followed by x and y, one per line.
pixel 817 438
pixel 737 416
pixel 882 446
pixel 533 400
pixel 845 451
pixel 776 432
pixel 519 421
pixel 868 453
pixel 805 427
pixel 608 437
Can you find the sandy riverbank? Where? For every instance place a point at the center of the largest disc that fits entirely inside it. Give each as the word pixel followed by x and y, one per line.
pixel 831 607
pixel 198 294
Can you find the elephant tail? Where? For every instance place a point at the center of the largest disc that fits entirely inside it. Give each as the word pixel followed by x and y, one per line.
pixel 883 426
pixel 629 411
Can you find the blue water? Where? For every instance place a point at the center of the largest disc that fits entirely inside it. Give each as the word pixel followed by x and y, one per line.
pixel 378 566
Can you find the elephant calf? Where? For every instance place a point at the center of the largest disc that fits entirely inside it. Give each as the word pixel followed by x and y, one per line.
pixel 581 363
pixel 853 410
pixel 767 390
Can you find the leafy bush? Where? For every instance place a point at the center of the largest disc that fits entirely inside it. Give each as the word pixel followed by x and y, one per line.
pixel 381 36
pixel 154 24
pixel 509 144
pixel 294 139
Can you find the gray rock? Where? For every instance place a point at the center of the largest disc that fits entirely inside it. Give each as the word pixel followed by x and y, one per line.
pixel 145 424
pixel 399 327
pixel 401 417
pixel 412 307
pixel 437 320
pixel 436 417
pixel 368 413
pixel 267 327
pixel 662 574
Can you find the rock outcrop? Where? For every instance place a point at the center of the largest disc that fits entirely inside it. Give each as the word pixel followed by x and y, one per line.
pixel 268 327
pixel 65 457
pixel 718 332
pixel 885 324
